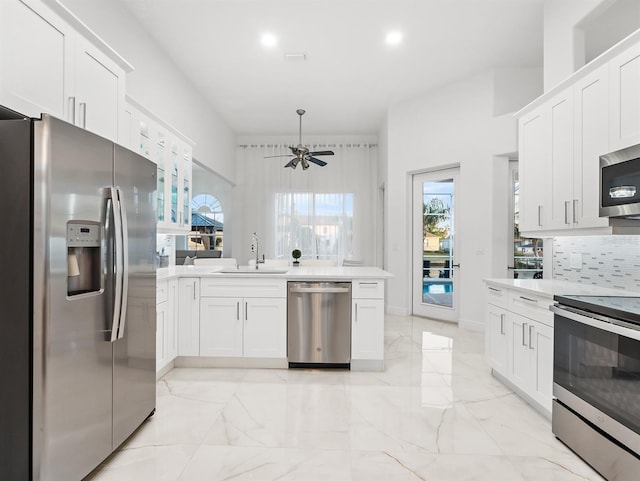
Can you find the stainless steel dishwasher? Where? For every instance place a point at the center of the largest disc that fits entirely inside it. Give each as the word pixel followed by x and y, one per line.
pixel 319 324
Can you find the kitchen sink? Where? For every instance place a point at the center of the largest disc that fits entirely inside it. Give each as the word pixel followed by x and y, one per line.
pixel 252 270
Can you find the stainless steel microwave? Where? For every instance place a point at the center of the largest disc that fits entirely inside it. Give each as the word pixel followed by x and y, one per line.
pixel 620 183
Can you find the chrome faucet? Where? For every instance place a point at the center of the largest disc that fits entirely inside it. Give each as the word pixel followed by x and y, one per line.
pixel 254 245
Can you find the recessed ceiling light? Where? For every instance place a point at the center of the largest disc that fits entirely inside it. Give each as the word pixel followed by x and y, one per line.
pixel 269 40
pixel 394 38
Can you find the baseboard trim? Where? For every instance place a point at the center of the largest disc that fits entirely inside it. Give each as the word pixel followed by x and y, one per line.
pixel 528 399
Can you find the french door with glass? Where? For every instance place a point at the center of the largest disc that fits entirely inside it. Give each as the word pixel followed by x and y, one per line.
pixel 435 270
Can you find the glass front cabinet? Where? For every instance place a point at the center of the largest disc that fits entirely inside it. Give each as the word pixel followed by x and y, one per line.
pixel 171 152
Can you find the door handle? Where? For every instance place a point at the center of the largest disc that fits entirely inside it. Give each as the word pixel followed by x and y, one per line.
pixel 575 211
pixel 238 311
pixel 501 323
pixel 112 201
pixel 524 329
pixel 125 263
pixel 246 310
pixel 455 265
pixel 566 212
pixel 356 312
pixel 194 290
pixel 121 267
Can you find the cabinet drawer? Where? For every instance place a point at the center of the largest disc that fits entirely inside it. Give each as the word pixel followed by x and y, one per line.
pixel 162 291
pixel 498 296
pixel 243 287
pixel 367 289
pixel 531 306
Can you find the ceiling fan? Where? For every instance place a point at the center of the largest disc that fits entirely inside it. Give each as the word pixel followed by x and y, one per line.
pixel 301 154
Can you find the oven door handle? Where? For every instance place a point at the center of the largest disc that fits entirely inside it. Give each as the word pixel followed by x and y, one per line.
pixel 608 324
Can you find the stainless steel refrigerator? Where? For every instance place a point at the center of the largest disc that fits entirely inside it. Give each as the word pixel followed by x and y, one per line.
pixel 77 298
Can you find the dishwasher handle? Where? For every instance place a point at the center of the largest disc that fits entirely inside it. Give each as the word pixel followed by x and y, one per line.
pixel 320 290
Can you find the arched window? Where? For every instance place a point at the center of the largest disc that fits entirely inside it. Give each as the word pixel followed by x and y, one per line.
pixel 207 219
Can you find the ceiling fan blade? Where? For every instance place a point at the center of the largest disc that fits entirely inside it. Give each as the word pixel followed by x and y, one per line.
pixel 322 152
pixel 272 156
pixel 291 164
pixel 319 162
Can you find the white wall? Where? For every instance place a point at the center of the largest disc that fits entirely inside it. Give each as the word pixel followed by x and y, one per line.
pixel 452 125
pixel 159 85
pixel 564 45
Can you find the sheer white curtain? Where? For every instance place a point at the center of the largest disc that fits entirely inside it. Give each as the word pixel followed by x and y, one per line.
pixel 327 212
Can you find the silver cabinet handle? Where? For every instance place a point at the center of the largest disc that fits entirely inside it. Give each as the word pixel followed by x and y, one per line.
pixel 575 211
pixel 238 311
pixel 539 216
pixel 502 324
pixel 83 115
pixel 368 284
pixel 246 310
pixel 356 311
pixel 528 299
pixel 72 110
pixel 524 329
pixel 531 334
pixel 495 290
pixel 566 212
pixel 194 290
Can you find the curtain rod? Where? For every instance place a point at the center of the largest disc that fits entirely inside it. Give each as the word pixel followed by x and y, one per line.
pixel 254 146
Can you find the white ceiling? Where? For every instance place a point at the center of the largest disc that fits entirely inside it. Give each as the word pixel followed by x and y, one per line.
pixel 351 76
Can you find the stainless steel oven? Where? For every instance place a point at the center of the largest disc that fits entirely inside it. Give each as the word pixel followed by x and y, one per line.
pixel 596 381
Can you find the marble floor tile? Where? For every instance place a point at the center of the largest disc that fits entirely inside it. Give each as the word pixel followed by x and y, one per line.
pixel 435 413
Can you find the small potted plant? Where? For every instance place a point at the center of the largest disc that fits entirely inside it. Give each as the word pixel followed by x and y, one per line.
pixel 296 254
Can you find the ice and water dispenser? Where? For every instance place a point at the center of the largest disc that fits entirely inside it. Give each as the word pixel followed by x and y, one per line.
pixel 83 257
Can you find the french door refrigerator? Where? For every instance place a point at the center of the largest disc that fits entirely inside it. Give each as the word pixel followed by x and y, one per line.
pixel 77 298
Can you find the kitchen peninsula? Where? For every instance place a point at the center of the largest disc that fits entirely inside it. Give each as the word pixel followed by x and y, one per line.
pixel 214 316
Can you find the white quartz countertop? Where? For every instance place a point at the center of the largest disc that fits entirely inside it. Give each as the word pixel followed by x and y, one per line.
pixel 550 288
pixel 292 273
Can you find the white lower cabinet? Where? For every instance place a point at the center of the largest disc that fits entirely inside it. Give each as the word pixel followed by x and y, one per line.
pixel 189 316
pixel 220 326
pixel 161 322
pixel 519 342
pixel 247 327
pixel 367 329
pixel 497 337
pixel 166 323
pixel 250 326
pixel 367 324
pixel 265 328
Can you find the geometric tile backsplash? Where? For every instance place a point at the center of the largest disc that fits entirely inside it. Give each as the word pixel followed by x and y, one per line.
pixel 606 261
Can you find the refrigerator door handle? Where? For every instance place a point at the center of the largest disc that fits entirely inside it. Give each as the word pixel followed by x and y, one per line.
pixel 125 263
pixel 117 268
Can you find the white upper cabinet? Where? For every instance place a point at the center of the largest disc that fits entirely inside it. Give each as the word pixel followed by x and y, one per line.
pixel 533 170
pixel 98 96
pixel 49 67
pixel 560 172
pixel 591 140
pixel 562 136
pixel 35 51
pixel 625 98
pixel 150 136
